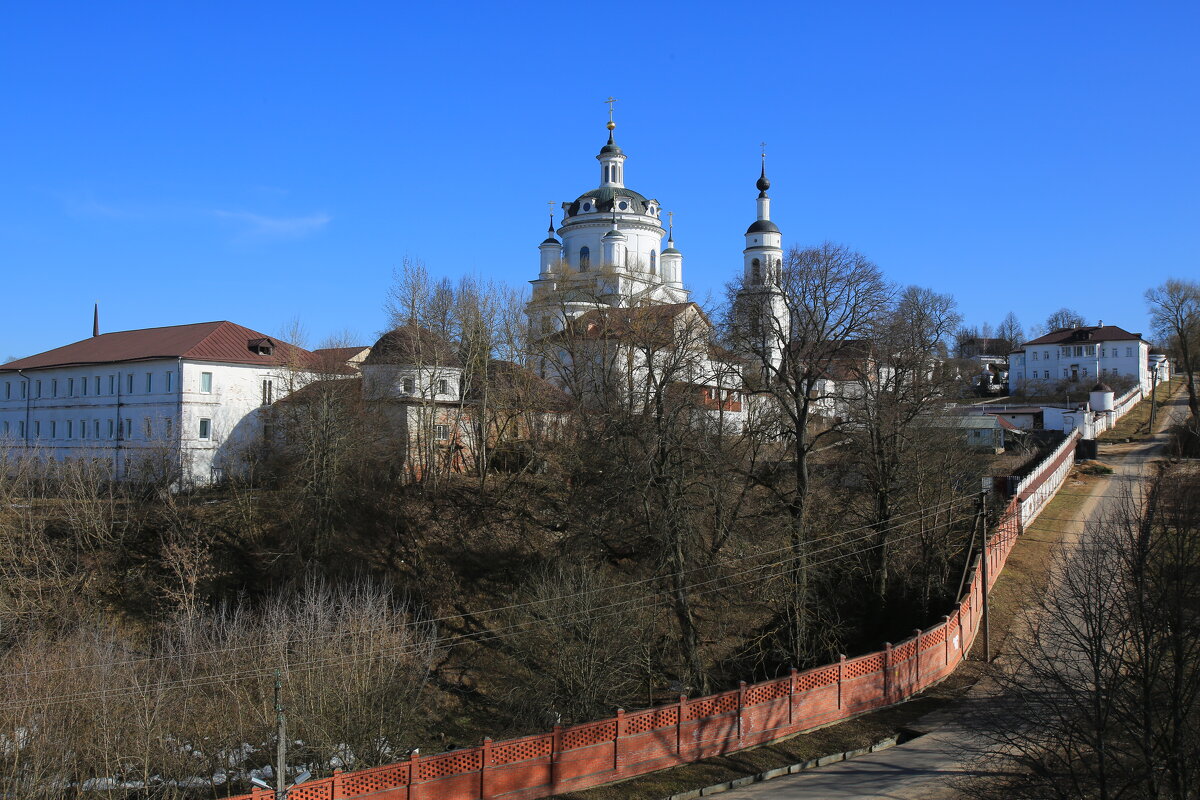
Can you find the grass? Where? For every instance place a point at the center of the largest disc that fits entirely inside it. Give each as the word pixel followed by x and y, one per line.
pixel 1137 422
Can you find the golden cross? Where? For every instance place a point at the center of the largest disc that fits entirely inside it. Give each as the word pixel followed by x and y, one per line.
pixel 763 145
pixel 610 102
pixel 552 204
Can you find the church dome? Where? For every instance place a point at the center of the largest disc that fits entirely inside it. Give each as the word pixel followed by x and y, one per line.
pixel 763 226
pixel 1101 387
pixel 412 345
pixel 607 197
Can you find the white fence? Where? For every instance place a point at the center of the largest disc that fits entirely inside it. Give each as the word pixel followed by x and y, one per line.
pixel 1038 487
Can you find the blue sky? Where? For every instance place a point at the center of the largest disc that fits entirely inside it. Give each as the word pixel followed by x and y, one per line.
pixel 264 162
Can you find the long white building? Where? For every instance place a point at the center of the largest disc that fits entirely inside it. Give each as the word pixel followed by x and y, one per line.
pixel 185 398
pixel 1081 355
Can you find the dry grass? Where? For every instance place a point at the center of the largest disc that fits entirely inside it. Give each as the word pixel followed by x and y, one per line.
pixel 1137 422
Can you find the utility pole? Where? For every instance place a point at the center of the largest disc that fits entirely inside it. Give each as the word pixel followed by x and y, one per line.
pixel 281 790
pixel 983 564
pixel 1153 398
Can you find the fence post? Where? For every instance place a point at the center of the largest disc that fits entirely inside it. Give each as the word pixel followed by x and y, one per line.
pixel 555 751
pixel 841 677
pixel 916 662
pixel 679 727
pixel 741 705
pixel 414 772
pixel 620 731
pixel 887 672
pixel 335 785
pixel 946 636
pixel 485 759
pixel 791 696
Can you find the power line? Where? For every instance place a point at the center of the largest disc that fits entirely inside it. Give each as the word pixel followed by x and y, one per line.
pixel 935 509
pixel 478 636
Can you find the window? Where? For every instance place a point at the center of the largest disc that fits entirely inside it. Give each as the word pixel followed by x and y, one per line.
pixel 1084 372
pixel 443 386
pixel 83 386
pixel 756 271
pixel 653 262
pixel 441 432
pixel 407 385
pixel 1047 374
pixel 96 429
pixel 70 428
pixel 24 384
pixel 37 428
pixel 268 389
pixel 168 428
pixel 53 429
pixel 70 387
pixel 585 259
pixel 148 428
pixel 1104 371
pixel 39 389
pixel 97 385
pixel 112 384
pixel 83 429
pixel 1103 352
pixel 170 380
pixel 8 390
pixel 149 382
pixel 54 387
pixel 1035 355
pixel 1046 355
pixel 1066 373
pixel 110 429
pixel 21 429
pixel 1129 352
pixel 129 383
pixel 206 382
pixel 205 428
pixel 5 431
pixel 128 428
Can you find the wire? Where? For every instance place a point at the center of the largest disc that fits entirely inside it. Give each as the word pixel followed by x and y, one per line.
pixel 936 509
pixel 589 613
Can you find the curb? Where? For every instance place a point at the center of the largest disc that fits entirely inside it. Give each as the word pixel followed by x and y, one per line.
pixel 779 772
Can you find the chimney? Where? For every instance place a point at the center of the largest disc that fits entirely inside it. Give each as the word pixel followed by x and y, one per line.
pixel 96 320
pixel 1101 325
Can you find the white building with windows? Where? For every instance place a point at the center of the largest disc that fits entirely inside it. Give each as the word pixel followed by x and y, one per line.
pixel 1081 355
pixel 183 398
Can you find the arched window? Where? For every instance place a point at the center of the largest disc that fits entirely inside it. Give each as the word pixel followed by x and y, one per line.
pixel 756 271
pixel 653 262
pixel 585 259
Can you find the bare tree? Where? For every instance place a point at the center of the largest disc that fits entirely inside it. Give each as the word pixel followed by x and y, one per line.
pixel 1064 318
pixel 1175 317
pixel 1101 695
pixel 830 298
pixel 1010 332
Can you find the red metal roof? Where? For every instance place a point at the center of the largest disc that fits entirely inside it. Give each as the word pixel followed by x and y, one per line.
pixel 1085 335
pixel 201 341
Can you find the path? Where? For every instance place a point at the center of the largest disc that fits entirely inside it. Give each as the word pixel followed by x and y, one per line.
pixel 920 769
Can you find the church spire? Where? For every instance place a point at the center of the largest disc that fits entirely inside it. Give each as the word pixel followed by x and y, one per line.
pixel 764 202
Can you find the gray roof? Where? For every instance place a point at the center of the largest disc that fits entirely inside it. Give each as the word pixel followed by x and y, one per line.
pixel 763 226
pixel 604 197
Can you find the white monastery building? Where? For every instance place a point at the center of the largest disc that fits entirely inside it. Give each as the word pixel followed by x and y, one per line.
pixel 184 397
pixel 1084 355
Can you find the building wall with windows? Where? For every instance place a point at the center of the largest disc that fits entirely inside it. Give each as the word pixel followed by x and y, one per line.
pixel 198 415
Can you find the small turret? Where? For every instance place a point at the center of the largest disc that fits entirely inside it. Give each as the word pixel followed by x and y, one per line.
pixel 551 250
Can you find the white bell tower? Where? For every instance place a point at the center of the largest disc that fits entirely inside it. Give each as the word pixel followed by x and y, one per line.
pixel 761 306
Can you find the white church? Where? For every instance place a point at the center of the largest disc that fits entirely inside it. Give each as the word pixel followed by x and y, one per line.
pixel 606 280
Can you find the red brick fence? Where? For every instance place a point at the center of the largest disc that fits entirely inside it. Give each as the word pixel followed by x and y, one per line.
pixel 583 756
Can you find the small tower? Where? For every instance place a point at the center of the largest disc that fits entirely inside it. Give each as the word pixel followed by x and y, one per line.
pixel 672 259
pixel 551 250
pixel 761 306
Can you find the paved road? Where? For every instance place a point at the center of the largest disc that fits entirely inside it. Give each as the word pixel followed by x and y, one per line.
pixel 921 768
